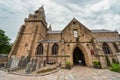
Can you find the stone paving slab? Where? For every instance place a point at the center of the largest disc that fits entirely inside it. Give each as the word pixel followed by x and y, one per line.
pixel 76 73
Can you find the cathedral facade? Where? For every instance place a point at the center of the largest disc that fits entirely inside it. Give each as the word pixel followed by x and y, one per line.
pixel 75 43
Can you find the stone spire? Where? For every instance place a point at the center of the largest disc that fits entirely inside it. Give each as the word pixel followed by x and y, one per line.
pixel 50 28
pixel 37 15
pixel 40 12
pixel 41 8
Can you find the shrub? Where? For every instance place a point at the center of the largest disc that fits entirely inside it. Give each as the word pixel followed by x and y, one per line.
pixel 67 62
pixel 96 62
pixel 46 70
pixel 68 65
pixel 115 67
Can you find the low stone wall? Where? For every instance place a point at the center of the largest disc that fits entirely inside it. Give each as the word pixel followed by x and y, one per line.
pixel 3 59
pixel 34 75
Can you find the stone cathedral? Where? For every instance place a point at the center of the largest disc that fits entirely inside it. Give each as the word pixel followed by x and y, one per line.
pixel 75 43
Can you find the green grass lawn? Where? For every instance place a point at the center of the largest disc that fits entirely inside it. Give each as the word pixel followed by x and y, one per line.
pixel 115 67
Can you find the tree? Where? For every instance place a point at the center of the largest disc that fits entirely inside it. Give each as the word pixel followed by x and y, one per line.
pixel 5 46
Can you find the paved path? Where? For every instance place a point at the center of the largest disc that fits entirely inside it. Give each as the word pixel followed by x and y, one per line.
pixel 77 73
pixel 84 73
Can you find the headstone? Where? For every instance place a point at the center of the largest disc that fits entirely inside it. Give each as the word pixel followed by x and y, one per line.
pixel 28 68
pixel 38 65
pixel 9 63
pixel 15 62
pixel 41 63
pixel 21 61
pixel 25 61
pixel 44 63
pixel 34 64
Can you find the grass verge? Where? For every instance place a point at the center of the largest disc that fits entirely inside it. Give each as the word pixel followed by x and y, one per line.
pixel 115 67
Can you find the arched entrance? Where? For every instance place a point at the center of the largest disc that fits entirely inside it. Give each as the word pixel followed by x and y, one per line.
pixel 78 57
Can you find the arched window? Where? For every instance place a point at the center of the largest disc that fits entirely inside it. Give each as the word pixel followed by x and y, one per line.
pixel 55 49
pixel 106 48
pixel 39 49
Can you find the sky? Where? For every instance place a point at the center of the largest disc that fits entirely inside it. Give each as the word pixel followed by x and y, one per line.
pixel 94 14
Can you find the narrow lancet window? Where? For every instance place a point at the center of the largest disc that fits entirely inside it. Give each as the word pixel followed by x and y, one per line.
pixel 75 33
pixel 55 49
pixel 39 49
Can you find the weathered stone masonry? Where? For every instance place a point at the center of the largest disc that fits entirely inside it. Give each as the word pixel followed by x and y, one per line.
pixel 42 43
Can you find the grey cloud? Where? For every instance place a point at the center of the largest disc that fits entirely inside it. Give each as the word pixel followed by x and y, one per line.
pixel 58 13
pixel 81 3
pixel 78 8
pixel 115 8
pixel 6 9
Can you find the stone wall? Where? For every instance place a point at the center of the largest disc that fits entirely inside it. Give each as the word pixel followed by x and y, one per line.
pixel 35 31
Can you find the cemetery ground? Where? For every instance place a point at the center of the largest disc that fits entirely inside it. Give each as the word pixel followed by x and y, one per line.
pixel 76 73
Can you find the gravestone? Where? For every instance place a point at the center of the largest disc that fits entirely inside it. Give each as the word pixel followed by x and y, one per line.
pixel 9 63
pixel 28 68
pixel 44 63
pixel 38 65
pixel 25 61
pixel 21 61
pixel 34 64
pixel 15 62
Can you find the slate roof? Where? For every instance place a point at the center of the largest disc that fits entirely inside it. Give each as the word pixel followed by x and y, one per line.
pixel 101 30
pixel 93 31
pixel 54 32
pixel 49 41
pixel 107 40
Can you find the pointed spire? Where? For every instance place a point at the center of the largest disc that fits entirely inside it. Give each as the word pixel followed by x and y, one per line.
pixel 41 8
pixel 50 28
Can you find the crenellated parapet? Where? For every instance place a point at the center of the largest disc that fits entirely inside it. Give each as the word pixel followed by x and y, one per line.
pixel 37 16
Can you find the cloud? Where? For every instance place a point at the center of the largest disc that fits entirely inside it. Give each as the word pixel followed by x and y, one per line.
pixel 100 6
pixel 94 14
pixel 115 7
